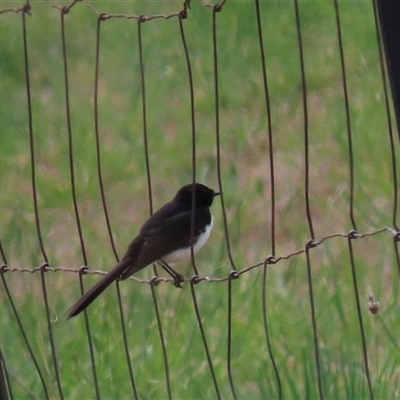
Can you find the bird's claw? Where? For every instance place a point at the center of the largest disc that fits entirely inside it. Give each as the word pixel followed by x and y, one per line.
pixel 178 279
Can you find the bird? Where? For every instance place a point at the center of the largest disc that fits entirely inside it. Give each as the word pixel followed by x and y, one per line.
pixel 166 238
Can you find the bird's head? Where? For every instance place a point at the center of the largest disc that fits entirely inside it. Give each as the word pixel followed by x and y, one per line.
pixel 204 196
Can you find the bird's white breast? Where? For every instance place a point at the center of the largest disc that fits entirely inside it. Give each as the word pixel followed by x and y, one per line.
pixel 185 254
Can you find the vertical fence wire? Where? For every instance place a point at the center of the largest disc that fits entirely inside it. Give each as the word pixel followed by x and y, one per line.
pixel 194 280
pixel 310 244
pixel 396 241
pixel 144 115
pixel 183 16
pixel 351 237
pixel 35 203
pixel 3 255
pixel 89 339
pixel 31 135
pixel 126 344
pixel 50 330
pixel 33 182
pixel 353 233
pixel 162 340
pixel 150 197
pixel 5 387
pixel 100 19
pixel 267 333
pixel 272 197
pixel 3 269
pixel 347 113
pixel 305 120
pixel 64 11
pixel 24 336
pixel 229 338
pixel 233 274
pixel 216 9
pixel 269 122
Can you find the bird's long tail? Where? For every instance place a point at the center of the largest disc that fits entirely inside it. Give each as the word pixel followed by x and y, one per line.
pixel 97 289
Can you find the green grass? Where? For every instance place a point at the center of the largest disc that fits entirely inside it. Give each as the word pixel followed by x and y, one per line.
pixel 247 194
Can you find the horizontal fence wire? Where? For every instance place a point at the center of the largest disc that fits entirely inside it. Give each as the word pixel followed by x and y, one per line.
pixel 270 260
pixel 233 275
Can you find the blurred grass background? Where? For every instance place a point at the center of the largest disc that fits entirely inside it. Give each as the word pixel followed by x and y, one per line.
pixel 246 187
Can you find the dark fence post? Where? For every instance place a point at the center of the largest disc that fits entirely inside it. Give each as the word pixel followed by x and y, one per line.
pixel 389 21
pixel 3 385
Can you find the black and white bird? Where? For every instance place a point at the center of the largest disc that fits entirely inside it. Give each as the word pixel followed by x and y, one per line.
pixel 166 238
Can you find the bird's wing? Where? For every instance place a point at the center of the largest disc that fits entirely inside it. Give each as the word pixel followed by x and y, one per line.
pixel 172 236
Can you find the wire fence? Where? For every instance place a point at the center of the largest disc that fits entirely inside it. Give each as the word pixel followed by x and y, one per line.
pixel 242 304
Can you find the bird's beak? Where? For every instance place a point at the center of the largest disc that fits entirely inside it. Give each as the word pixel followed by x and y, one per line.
pixel 217 194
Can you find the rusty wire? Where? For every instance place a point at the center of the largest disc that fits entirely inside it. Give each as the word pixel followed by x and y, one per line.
pixel 310 243
pixel 64 11
pixel 269 260
pixel 347 112
pixel 352 190
pixel 233 274
pixel 194 279
pixel 272 196
pixel 359 314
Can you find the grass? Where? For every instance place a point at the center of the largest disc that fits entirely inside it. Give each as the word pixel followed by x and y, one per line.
pixel 247 194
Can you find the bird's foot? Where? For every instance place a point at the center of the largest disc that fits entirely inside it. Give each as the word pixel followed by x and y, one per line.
pixel 177 280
